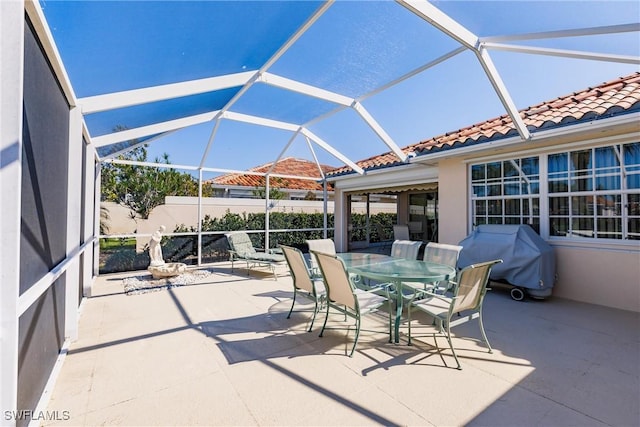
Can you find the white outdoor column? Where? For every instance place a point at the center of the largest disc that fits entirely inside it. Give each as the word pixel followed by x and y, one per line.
pixel 199 217
pixel 367 222
pixel 11 93
pixel 266 213
pixel 96 216
pixel 340 220
pixel 324 208
pixel 74 207
pixel 89 219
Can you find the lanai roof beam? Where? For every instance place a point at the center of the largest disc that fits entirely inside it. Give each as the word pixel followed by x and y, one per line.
pixel 453 29
pixel 115 100
pixel 624 59
pixel 577 32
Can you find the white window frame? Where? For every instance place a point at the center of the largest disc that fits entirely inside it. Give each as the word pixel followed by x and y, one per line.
pixel 504 197
pixel 543 154
pixel 622 192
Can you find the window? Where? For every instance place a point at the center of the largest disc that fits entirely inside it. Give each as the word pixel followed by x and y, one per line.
pixel 507 192
pixel 595 193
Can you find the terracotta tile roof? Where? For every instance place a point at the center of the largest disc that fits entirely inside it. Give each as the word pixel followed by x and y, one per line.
pixel 286 166
pixel 608 99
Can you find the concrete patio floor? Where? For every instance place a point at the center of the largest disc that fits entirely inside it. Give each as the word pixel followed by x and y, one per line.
pixel 222 352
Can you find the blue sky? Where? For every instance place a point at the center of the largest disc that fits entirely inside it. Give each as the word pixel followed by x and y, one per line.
pixel 355 47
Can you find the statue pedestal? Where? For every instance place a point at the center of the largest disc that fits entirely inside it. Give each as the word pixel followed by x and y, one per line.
pixel 169 269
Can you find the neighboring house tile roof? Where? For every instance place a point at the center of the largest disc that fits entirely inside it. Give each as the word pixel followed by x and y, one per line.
pixel 286 166
pixel 611 98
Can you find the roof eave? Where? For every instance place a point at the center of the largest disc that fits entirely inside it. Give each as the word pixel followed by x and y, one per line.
pixel 592 127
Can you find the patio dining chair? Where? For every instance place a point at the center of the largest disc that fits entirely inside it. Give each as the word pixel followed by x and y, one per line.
pixel 325 246
pixel 343 296
pixel 304 281
pixel 401 232
pixel 467 303
pixel 407 249
pixel 442 253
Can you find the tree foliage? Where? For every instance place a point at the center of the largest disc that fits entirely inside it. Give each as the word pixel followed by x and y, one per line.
pixel 142 188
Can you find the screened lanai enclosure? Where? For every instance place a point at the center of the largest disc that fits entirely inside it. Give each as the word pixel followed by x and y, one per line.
pixel 121 116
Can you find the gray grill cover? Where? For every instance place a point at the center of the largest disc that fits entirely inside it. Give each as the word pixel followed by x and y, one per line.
pixel 529 261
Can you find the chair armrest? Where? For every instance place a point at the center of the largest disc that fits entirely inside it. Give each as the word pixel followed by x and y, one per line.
pixel 438 296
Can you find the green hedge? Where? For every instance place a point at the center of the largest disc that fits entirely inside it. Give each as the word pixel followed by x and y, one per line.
pixel 122 257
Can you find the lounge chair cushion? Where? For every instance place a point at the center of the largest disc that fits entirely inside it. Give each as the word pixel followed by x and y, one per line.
pixel 261 256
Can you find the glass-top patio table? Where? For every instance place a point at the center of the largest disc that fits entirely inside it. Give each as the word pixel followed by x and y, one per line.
pixel 385 268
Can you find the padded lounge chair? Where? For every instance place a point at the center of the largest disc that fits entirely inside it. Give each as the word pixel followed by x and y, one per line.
pixel 241 249
pixel 465 305
pixel 304 280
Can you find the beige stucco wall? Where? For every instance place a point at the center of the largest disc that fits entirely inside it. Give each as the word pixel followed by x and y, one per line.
pixel 452 201
pixel 599 274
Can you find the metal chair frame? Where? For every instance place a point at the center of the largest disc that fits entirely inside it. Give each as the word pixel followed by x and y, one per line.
pixel 468 299
pixel 304 281
pixel 344 297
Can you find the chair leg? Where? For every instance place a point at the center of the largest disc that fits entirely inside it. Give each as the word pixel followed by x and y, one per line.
pixel 484 335
pixel 325 320
pixel 390 326
pixel 315 311
pixel 355 342
pixel 455 356
pixel 295 291
pixel 408 320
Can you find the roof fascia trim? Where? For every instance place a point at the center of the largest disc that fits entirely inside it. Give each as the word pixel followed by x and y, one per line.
pixel 591 126
pixel 624 59
pixel 615 139
pixel 405 174
pixel 128 98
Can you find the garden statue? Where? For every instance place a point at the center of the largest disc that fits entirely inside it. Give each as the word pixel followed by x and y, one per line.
pixel 155 250
pixel 158 268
